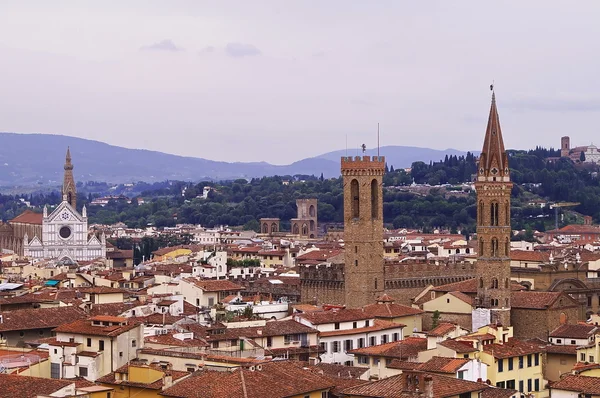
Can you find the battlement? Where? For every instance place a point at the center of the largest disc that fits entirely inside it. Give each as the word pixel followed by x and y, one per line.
pixel 371 165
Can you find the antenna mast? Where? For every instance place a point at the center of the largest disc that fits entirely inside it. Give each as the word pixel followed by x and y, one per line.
pixel 378 140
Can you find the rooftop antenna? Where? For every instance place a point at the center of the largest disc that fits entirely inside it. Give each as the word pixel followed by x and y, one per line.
pixel 364 148
pixel 378 140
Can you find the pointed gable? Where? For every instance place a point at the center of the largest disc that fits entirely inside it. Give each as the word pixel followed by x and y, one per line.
pixel 493 161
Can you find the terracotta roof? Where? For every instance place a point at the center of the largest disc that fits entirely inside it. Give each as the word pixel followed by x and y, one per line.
pixel 335 315
pixel 463 297
pixel 583 384
pixel 85 327
pixel 538 300
pixel 114 309
pixel 318 255
pixel 529 255
pixel 442 329
pixel 461 347
pixel 101 290
pixel 271 328
pixel 403 349
pixel 275 380
pixel 393 387
pixel 155 385
pixel 390 310
pixel 578 331
pixel 378 324
pixel 403 365
pixel 512 348
pixel 561 349
pixel 39 318
pixel 340 371
pixel 208 285
pixel 14 386
pixel 28 217
pixel 443 365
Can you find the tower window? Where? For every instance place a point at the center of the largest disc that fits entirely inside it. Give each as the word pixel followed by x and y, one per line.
pixel 494 283
pixel 480 213
pixel 494 247
pixel 481 247
pixel 374 199
pixel 507 213
pixel 375 283
pixel 354 194
pixel 481 283
pixel 494 214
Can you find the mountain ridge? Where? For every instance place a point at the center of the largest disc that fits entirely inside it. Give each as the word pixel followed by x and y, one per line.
pixel 37 159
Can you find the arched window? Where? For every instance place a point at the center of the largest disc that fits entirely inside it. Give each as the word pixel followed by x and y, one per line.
pixel 311 211
pixel 481 247
pixel 296 230
pixel 507 248
pixel 494 247
pixel 374 199
pixel 494 214
pixel 354 194
pixel 273 228
pixel 304 229
pixel 265 228
pixel 480 213
pixel 506 282
pixel 481 283
pixel 506 213
pixel 506 302
pixel 494 283
pixel 312 225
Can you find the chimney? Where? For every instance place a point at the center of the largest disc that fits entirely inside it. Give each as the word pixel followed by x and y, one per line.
pixel 428 381
pixel 167 381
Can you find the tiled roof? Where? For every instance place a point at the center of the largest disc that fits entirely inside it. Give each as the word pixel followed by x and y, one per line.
pixel 463 297
pixel 443 365
pixel 582 384
pixel 155 385
pixel 101 290
pixel 393 387
pixel 319 255
pixel 403 365
pixel 529 255
pixel 442 329
pixel 378 324
pixel 332 316
pixel 512 348
pixel 209 285
pixel 271 328
pixel 403 349
pixel 275 380
pixel 14 386
pixel 390 310
pixel 28 217
pixel 341 371
pixel 537 300
pixel 493 392
pixel 561 349
pixel 39 318
pixel 114 309
pixel 85 327
pixel 578 331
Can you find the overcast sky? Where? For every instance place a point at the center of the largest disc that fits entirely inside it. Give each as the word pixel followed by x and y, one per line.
pixel 279 81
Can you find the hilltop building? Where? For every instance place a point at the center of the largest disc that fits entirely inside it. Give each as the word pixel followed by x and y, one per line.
pixel 64 234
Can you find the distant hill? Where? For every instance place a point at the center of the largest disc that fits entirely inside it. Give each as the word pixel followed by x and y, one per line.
pixel 30 159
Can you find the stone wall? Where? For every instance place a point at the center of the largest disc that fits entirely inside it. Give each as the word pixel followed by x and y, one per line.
pixel 463 320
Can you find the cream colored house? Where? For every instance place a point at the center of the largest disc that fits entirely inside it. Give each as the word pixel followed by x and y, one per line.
pixel 94 347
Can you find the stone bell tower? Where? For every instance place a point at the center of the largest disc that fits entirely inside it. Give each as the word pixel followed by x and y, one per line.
pixel 363 229
pixel 493 187
pixel 69 191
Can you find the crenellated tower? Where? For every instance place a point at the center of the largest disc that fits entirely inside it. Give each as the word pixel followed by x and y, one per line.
pixel 493 187
pixel 69 191
pixel 363 229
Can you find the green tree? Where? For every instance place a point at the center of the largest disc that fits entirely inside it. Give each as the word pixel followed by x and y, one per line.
pixel 435 320
pixel 582 157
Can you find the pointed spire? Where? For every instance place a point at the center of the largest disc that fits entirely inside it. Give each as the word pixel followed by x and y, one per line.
pixel 45 211
pixel 69 191
pixel 493 161
pixel 84 212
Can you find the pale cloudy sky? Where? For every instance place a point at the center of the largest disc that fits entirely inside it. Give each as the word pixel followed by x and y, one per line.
pixel 279 81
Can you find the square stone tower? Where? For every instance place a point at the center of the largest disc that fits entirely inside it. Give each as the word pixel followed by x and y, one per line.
pixel 493 188
pixel 363 229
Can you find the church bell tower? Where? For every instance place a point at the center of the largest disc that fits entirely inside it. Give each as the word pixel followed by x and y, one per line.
pixel 363 229
pixel 493 187
pixel 69 192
